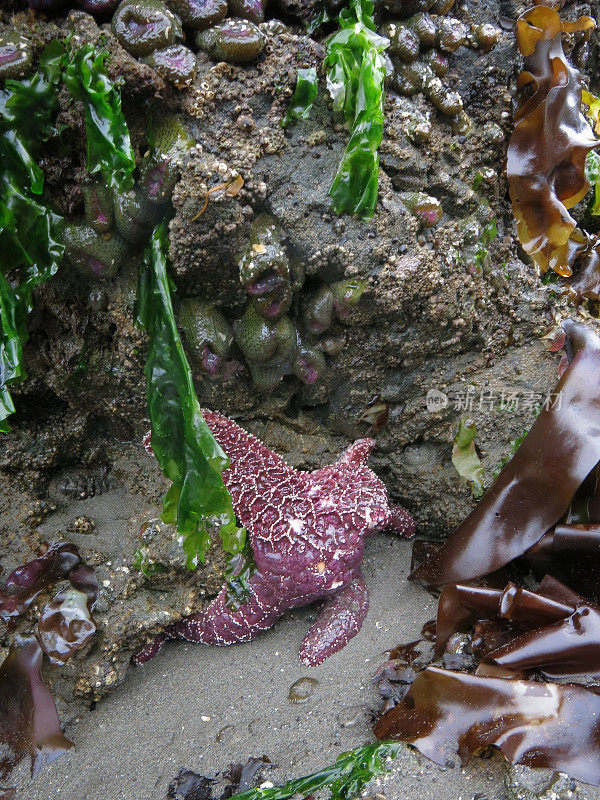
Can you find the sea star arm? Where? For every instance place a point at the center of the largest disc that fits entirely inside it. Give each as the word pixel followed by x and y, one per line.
pixel 358 452
pixel 340 620
pixel 256 477
pixel 401 522
pixel 220 625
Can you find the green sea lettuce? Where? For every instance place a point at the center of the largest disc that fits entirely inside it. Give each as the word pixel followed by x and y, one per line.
pixel 181 440
pixel 344 780
pixel 304 96
pixel 109 148
pixel 30 232
pixel 355 78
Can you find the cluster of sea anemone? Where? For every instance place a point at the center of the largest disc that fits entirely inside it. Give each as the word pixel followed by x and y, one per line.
pixel 421 39
pixel 118 222
pixel 155 31
pixel 272 342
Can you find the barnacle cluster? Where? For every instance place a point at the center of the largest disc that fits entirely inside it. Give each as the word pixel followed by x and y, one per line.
pixel 421 39
pixel 115 221
pixel 279 332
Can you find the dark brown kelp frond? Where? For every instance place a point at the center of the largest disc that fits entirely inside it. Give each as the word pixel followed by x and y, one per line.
pixel 27 582
pixel 446 714
pixel 461 606
pixel 536 487
pixel 28 720
pixel 569 646
pixel 550 142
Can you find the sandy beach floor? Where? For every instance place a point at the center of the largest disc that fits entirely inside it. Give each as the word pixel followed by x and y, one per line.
pixel 203 708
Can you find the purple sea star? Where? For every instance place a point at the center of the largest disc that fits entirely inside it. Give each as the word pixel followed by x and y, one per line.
pixel 307 531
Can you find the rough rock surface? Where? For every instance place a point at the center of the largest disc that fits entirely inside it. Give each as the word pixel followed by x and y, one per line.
pixel 442 310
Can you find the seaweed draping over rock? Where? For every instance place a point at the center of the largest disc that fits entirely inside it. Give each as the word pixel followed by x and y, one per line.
pixel 449 713
pixel 28 581
pixel 66 623
pixel 536 487
pixel 28 720
pixel 550 142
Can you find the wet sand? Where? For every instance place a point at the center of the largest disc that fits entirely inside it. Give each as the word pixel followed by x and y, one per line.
pixel 171 713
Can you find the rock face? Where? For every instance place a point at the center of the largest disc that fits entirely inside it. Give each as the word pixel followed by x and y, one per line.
pixel 448 308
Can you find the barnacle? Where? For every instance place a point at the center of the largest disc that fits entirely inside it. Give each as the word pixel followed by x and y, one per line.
pixel 550 142
pixel 93 254
pixel 98 201
pixel 176 63
pixel 142 26
pixel 16 54
pixel 234 40
pixel 199 14
pixel 207 333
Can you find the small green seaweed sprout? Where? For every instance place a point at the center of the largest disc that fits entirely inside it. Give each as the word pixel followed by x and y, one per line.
pixel 344 780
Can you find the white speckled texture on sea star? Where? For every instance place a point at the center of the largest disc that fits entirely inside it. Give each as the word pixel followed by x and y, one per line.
pixel 307 531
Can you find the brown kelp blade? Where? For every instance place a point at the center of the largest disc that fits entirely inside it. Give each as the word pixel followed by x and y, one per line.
pixel 445 714
pixel 571 552
pixel 28 719
pixel 27 582
pixel 547 150
pixel 460 606
pixel 570 646
pixel 536 487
